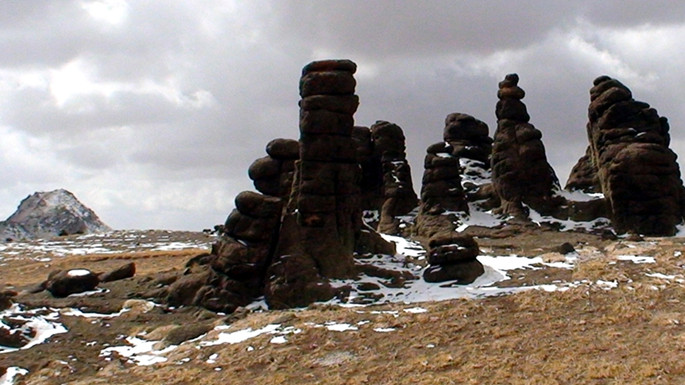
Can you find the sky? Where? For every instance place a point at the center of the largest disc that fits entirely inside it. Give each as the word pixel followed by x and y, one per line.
pixel 150 112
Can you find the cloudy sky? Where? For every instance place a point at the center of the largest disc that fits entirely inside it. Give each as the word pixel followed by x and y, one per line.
pixel 151 111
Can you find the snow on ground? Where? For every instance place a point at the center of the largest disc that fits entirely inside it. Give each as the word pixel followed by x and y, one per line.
pixel 12 372
pixel 636 258
pixel 36 325
pixel 44 250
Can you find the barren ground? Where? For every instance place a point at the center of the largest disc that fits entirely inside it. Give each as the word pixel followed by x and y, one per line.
pixel 614 322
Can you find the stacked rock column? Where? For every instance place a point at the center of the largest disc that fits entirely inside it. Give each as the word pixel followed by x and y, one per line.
pixel 323 216
pixel 398 192
pixel 240 258
pixel 637 171
pixel 442 196
pixel 452 257
pixel 520 172
pixel 469 138
pixel 328 200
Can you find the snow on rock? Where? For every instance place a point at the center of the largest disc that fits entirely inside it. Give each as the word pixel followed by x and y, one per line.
pixel 140 352
pixel 11 373
pixel 38 325
pixel 49 214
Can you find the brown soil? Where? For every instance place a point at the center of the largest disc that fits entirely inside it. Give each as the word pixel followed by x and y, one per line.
pixel 588 334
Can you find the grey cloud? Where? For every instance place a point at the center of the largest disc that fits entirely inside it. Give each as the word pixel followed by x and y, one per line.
pixel 145 159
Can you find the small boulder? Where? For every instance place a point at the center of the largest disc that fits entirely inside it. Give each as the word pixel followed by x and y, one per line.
pixel 62 283
pixel 126 271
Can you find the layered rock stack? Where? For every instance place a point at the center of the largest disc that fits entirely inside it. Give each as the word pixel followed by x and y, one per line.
pixel 323 218
pixel 442 196
pixel 399 197
pixel 471 143
pixel 273 174
pixel 520 172
pixel 441 188
pixel 452 257
pixel 637 171
pixel 238 262
pixel 469 138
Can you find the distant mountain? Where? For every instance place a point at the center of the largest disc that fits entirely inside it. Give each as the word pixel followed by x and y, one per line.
pixel 50 214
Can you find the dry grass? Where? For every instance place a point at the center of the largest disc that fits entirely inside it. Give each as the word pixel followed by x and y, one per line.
pixel 632 334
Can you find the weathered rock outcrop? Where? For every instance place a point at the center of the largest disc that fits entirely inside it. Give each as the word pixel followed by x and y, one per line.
pixel 323 217
pixel 520 172
pixel 469 138
pixel 399 197
pixel 273 174
pixel 637 171
pixel 50 214
pixel 386 184
pixel 243 253
pixel 452 257
pixel 584 176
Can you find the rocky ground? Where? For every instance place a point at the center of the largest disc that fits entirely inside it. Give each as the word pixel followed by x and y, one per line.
pixel 609 312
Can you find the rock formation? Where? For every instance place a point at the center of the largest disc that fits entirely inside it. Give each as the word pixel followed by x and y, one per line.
pixel 520 172
pixel 442 196
pixel 471 143
pixel 636 169
pixel 386 184
pixel 469 138
pixel 51 214
pixel 452 257
pixel 584 176
pixel 398 193
pixel 323 217
pixel 456 172
pixel 371 183
pixel 273 174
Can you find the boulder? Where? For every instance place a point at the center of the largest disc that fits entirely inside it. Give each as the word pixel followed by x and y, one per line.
pixel 61 283
pixel 452 257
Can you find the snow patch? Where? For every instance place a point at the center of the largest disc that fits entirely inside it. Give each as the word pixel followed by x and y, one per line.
pixel 12 371
pixel 141 352
pixel 78 273
pixel 636 258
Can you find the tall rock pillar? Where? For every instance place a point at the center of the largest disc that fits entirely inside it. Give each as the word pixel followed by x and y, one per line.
pixel 520 172
pixel 323 217
pixel 637 171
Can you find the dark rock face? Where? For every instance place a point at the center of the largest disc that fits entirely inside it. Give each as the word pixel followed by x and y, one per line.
pixel 273 174
pixel 441 192
pixel 51 214
pixel 386 184
pixel 636 169
pixel 6 296
pixel 465 152
pixel 469 138
pixel 452 257
pixel 125 271
pixel 584 176
pixel 239 259
pixel 61 283
pixel 398 193
pixel 323 217
pixel 520 172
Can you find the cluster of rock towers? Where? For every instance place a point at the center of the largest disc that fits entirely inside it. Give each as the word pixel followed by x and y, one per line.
pixel 305 225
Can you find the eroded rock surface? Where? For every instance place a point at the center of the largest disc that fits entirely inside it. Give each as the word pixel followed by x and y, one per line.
pixel 452 257
pixel 520 171
pixel 637 171
pixel 323 217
